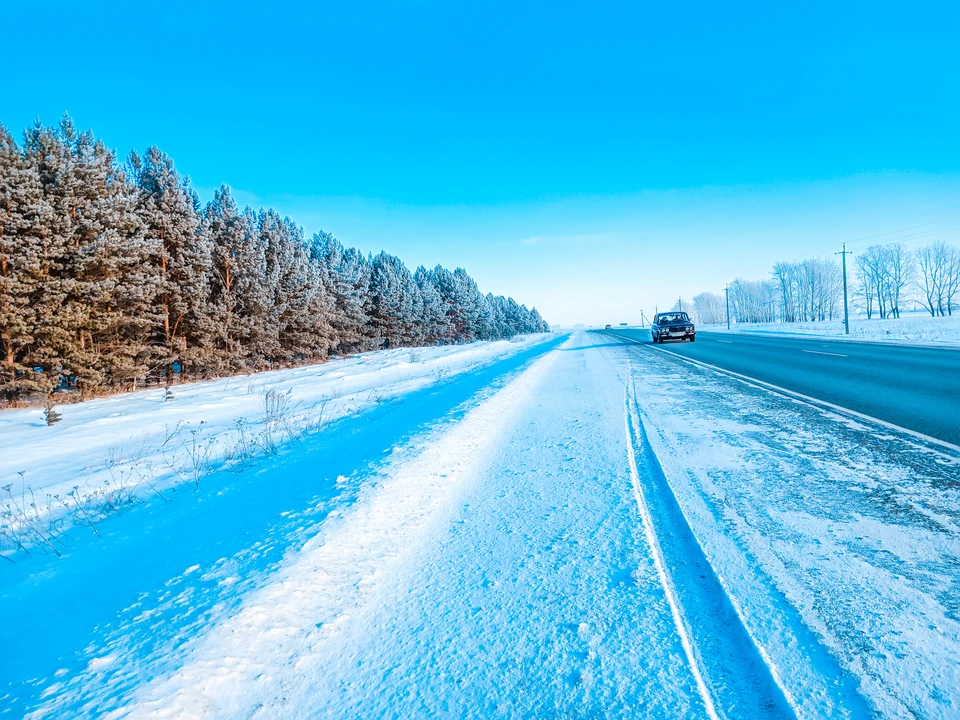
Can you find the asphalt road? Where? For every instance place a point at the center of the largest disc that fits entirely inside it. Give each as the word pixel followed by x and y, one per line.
pixel 917 388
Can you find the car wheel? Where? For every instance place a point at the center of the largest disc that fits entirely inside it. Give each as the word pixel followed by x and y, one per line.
pixel 693 339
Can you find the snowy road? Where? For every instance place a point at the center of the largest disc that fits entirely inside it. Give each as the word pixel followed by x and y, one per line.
pixel 586 529
pixel 913 387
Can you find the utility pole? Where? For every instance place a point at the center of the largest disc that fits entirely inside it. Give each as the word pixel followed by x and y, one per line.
pixel 846 308
pixel 680 304
pixel 726 294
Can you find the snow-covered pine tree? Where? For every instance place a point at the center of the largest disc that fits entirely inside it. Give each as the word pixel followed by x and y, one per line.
pixel 306 329
pixel 435 329
pixel 168 208
pixel 24 215
pixel 55 332
pixel 498 318
pixel 393 300
pixel 117 268
pixel 96 311
pixel 537 323
pixel 446 285
pixel 299 307
pixel 346 277
pixel 516 322
pixel 474 313
pixel 241 293
pixel 112 281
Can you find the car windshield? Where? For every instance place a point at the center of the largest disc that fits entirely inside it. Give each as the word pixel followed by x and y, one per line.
pixel 674 318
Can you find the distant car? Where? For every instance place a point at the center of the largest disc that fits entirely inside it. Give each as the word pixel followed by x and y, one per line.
pixel 672 326
pixel 606 327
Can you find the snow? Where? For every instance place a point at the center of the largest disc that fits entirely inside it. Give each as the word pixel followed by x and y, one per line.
pixel 914 327
pixel 580 529
pixel 827 533
pixel 109 452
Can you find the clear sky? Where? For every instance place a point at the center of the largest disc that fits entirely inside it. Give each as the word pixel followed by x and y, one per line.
pixel 589 159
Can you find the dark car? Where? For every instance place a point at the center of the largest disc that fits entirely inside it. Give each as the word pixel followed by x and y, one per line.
pixel 672 326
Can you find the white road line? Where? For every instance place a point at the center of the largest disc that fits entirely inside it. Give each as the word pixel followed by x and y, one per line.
pixel 776 389
pixel 747 380
pixel 657 554
pixel 820 352
pixel 728 342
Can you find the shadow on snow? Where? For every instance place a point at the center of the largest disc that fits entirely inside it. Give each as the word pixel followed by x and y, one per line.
pixel 161 571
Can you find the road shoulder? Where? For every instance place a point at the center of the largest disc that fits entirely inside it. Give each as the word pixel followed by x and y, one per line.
pixel 842 519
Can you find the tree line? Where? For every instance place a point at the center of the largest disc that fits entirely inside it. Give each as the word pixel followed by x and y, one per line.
pixel 882 279
pixel 113 275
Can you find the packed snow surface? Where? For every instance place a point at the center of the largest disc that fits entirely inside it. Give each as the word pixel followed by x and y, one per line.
pixel 918 327
pixel 571 528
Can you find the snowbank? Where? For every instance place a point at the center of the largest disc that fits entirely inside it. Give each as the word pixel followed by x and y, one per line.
pixel 911 327
pixel 107 452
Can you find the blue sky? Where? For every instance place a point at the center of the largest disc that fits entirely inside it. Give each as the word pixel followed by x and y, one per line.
pixel 590 160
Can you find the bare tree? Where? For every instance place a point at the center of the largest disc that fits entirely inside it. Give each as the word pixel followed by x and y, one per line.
pixel 753 301
pixel 785 276
pixel 863 291
pixel 808 290
pixel 932 260
pixel 709 308
pixel 873 270
pixel 951 276
pixel 900 269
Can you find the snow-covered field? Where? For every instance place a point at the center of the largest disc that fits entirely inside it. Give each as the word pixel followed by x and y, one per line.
pixel 569 528
pixel 918 327
pixel 105 454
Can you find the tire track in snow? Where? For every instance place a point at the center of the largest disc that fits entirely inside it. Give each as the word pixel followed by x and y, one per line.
pixel 733 677
pixel 251 664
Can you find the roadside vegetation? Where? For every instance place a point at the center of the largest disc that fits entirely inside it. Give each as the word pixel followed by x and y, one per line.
pixel 114 276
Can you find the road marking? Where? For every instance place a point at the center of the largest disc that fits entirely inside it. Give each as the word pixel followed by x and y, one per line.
pixel 728 342
pixel 820 352
pixel 658 560
pixel 815 401
pixel 776 389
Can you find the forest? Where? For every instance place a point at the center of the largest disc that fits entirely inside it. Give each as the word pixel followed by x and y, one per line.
pixel 113 275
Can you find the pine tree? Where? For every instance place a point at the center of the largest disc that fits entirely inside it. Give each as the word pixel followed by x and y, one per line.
pixel 306 330
pixel 241 294
pixel 346 277
pixel 498 318
pixel 446 285
pixel 300 306
pixel 433 316
pixel 473 311
pixel 111 278
pixel 23 216
pixel 168 209
pixel 393 302
pixel 537 323
pixel 95 312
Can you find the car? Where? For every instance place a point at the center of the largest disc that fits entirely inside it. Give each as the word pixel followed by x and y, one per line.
pixel 607 327
pixel 672 326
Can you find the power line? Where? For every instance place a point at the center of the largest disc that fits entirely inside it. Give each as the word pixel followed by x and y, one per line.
pixel 893 232
pixel 914 236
